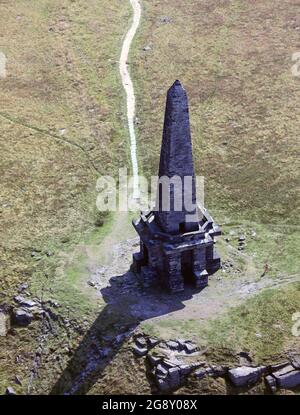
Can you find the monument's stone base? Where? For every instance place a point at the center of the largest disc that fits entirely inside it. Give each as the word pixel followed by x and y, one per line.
pixel 175 260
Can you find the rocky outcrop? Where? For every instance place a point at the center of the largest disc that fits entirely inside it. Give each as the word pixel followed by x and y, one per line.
pixel 171 362
pixel 287 377
pixel 245 375
pixel 22 317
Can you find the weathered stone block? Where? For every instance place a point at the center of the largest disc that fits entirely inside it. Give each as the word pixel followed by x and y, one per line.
pixel 287 377
pixel 244 375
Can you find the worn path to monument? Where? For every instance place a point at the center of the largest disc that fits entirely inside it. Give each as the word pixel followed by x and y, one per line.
pixel 128 87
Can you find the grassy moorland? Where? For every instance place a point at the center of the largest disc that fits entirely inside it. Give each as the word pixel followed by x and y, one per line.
pixel 62 125
pixel 234 59
pixel 62 120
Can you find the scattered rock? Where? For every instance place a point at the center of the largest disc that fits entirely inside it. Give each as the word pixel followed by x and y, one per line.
pixel 18 381
pixel 244 375
pixel 165 19
pixel 10 391
pixel 153 360
pixel 217 371
pixel 28 303
pixel 36 255
pixel 153 342
pixel 271 383
pixel 278 366
pixel 199 374
pixel 147 48
pixel 4 324
pixel 53 303
pixel 19 299
pixel 172 345
pixel 23 287
pixel 186 369
pixel 295 361
pixel 288 377
pixel 163 384
pixel 242 238
pixel 161 370
pixel 25 302
pixel 171 362
pixel 22 317
pixel 140 351
pixel 190 347
pixel 174 377
pixel 141 342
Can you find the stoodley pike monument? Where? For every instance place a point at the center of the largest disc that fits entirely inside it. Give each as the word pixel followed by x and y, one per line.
pixel 177 236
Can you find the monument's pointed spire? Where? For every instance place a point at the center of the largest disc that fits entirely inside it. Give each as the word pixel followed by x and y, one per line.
pixel 176 157
pixel 176 244
pixel 176 150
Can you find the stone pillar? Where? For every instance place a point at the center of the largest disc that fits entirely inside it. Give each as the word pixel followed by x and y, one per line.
pixel 174 276
pixel 199 267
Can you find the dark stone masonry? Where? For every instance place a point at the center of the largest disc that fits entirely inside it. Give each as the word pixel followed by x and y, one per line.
pixel 176 240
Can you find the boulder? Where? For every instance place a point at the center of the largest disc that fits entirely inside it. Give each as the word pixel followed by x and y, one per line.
pixel 288 377
pixel 186 369
pixel 23 287
pixel 278 366
pixel 19 299
pixel 200 373
pixel 217 371
pixel 244 375
pixel 153 360
pixel 141 342
pixel 271 382
pixel 28 303
pixel 163 384
pixel 172 345
pixel 4 324
pixel 171 362
pixel 22 317
pixel 190 347
pixel 152 341
pixel 295 361
pixel 181 342
pixel 10 391
pixel 174 377
pixel 140 351
pixel 161 370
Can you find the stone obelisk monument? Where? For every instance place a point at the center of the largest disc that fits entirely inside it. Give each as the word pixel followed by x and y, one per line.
pixel 177 237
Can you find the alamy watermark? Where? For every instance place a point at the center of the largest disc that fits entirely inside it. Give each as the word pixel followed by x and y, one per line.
pixel 296 67
pixel 159 193
pixel 296 325
pixel 2 65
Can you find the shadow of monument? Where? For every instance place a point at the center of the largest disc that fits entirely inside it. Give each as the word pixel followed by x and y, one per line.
pixel 127 305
